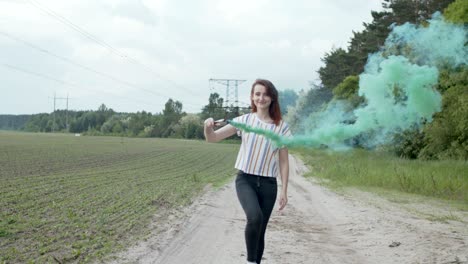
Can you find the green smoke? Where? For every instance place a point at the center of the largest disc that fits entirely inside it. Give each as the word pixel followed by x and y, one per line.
pixel 439 44
pixel 398 89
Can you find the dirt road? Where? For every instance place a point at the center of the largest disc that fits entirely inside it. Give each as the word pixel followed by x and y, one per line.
pixel 317 226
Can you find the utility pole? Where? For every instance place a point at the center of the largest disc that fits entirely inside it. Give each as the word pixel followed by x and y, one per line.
pixel 66 116
pixel 53 124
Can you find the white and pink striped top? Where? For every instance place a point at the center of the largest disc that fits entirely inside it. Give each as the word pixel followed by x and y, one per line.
pixel 257 154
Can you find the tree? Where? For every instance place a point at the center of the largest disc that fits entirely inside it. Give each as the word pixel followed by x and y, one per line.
pixel 37 123
pixel 190 126
pixel 414 11
pixel 348 90
pixel 408 143
pixel 171 115
pixel 88 121
pixel 338 65
pixel 287 98
pixel 457 12
pixel 13 122
pixel 102 114
pixel 447 135
pixel 214 108
pixel 137 123
pixel 308 103
pixel 370 40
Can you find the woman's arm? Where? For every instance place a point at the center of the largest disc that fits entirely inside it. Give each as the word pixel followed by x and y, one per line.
pixel 284 171
pixel 214 136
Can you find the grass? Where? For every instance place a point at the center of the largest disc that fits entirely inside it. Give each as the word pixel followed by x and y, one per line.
pixel 447 179
pixel 77 199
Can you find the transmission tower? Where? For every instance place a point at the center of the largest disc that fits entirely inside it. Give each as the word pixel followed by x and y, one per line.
pixel 66 111
pixel 232 95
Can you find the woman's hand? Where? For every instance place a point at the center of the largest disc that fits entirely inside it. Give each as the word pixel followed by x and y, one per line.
pixel 209 123
pixel 283 200
pixel 214 136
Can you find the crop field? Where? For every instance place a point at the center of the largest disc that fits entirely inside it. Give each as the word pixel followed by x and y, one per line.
pixel 77 199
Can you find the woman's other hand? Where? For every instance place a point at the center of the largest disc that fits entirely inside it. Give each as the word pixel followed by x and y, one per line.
pixel 283 200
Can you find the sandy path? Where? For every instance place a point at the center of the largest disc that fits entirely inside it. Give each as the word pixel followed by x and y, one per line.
pixel 317 226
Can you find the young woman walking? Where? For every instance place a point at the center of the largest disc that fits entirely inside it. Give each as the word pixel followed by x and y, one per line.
pixel 259 162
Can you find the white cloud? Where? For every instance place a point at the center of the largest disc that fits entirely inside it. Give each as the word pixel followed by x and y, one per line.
pixel 178 46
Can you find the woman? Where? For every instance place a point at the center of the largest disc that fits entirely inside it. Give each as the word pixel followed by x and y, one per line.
pixel 259 162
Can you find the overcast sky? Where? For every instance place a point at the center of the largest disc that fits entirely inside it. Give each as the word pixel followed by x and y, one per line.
pixel 134 55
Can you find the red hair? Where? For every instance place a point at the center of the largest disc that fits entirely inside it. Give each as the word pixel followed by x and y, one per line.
pixel 274 110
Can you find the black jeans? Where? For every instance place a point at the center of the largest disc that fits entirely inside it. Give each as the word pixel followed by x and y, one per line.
pixel 257 195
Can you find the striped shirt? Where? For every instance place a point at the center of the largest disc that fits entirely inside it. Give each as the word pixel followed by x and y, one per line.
pixel 257 154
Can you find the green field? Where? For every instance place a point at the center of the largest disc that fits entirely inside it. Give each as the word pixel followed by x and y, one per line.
pixel 76 199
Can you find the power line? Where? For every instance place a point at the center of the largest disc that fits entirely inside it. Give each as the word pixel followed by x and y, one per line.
pixel 11 67
pixel 40 75
pixel 78 64
pixel 83 32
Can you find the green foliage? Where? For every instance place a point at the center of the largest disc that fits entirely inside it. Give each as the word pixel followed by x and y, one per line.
pixel 105 121
pixel 38 123
pixel 13 122
pixel 308 103
pixel 214 108
pixel 232 111
pixel 452 78
pixel 191 127
pixel 116 125
pixel 81 121
pixel 137 122
pixel 338 65
pixel 217 110
pixel 414 11
pixel 348 90
pixel 171 115
pixel 457 12
pixel 287 98
pixel 370 39
pixel 172 122
pixel 447 135
pixel 408 144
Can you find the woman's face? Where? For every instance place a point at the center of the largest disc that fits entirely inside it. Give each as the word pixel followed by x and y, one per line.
pixel 260 97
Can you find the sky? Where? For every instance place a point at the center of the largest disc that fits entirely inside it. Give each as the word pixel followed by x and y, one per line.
pixel 135 55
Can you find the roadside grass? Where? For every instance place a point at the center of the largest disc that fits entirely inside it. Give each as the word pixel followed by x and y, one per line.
pixel 381 172
pixel 78 199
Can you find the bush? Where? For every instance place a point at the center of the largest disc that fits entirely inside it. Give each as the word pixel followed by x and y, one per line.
pixel 447 136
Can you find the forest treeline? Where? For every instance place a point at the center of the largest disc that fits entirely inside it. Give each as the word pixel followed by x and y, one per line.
pixel 171 122
pixel 446 137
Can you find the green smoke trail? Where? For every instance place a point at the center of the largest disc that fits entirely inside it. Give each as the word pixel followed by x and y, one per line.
pixel 277 139
pixel 300 140
pixel 398 89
